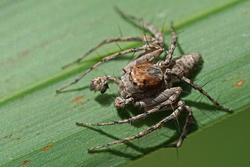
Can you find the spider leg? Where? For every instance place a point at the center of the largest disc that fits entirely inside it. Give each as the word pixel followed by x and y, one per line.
pixel 105 59
pixel 101 83
pixel 121 39
pixel 129 120
pixel 158 42
pixel 167 104
pixel 189 120
pixel 153 51
pixel 171 94
pixel 158 35
pixel 173 116
pixel 171 48
pixel 197 87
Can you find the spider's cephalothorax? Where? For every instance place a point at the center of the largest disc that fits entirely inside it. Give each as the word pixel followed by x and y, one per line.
pixel 148 85
pixel 142 80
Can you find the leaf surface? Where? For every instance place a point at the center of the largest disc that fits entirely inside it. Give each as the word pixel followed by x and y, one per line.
pixel 39 37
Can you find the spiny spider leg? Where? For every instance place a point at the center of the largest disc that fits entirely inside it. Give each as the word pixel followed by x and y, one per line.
pixel 197 87
pixel 121 39
pixel 167 104
pixel 148 85
pixel 189 121
pixel 158 41
pixel 171 47
pixel 173 116
pixel 158 35
pixel 145 47
pixel 170 95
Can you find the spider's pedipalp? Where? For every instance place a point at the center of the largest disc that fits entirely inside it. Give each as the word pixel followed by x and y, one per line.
pixel 148 85
pixel 122 102
pixel 101 83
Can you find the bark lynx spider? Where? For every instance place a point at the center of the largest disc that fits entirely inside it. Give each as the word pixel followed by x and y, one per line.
pixel 148 85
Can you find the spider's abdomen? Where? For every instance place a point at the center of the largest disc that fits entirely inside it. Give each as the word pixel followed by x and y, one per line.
pixel 186 64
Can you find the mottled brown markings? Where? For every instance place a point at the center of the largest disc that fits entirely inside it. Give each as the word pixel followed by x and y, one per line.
pixel 239 84
pixel 148 85
pixel 46 148
pixel 77 99
pixel 145 77
pixel 8 137
pixel 26 162
pixel 24 53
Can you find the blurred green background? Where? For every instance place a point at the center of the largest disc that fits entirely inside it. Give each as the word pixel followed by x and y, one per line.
pixel 38 126
pixel 222 144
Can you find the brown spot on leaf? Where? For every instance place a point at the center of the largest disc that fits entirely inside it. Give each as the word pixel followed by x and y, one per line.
pixel 46 148
pixel 239 84
pixel 26 162
pixel 8 137
pixel 77 99
pixel 24 53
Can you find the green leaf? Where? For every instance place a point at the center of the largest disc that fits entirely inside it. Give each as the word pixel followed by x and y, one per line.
pixel 39 37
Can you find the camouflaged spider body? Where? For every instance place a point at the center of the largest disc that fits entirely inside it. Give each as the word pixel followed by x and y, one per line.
pixel 148 85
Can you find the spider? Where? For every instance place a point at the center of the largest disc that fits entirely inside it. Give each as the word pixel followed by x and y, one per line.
pixel 148 85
